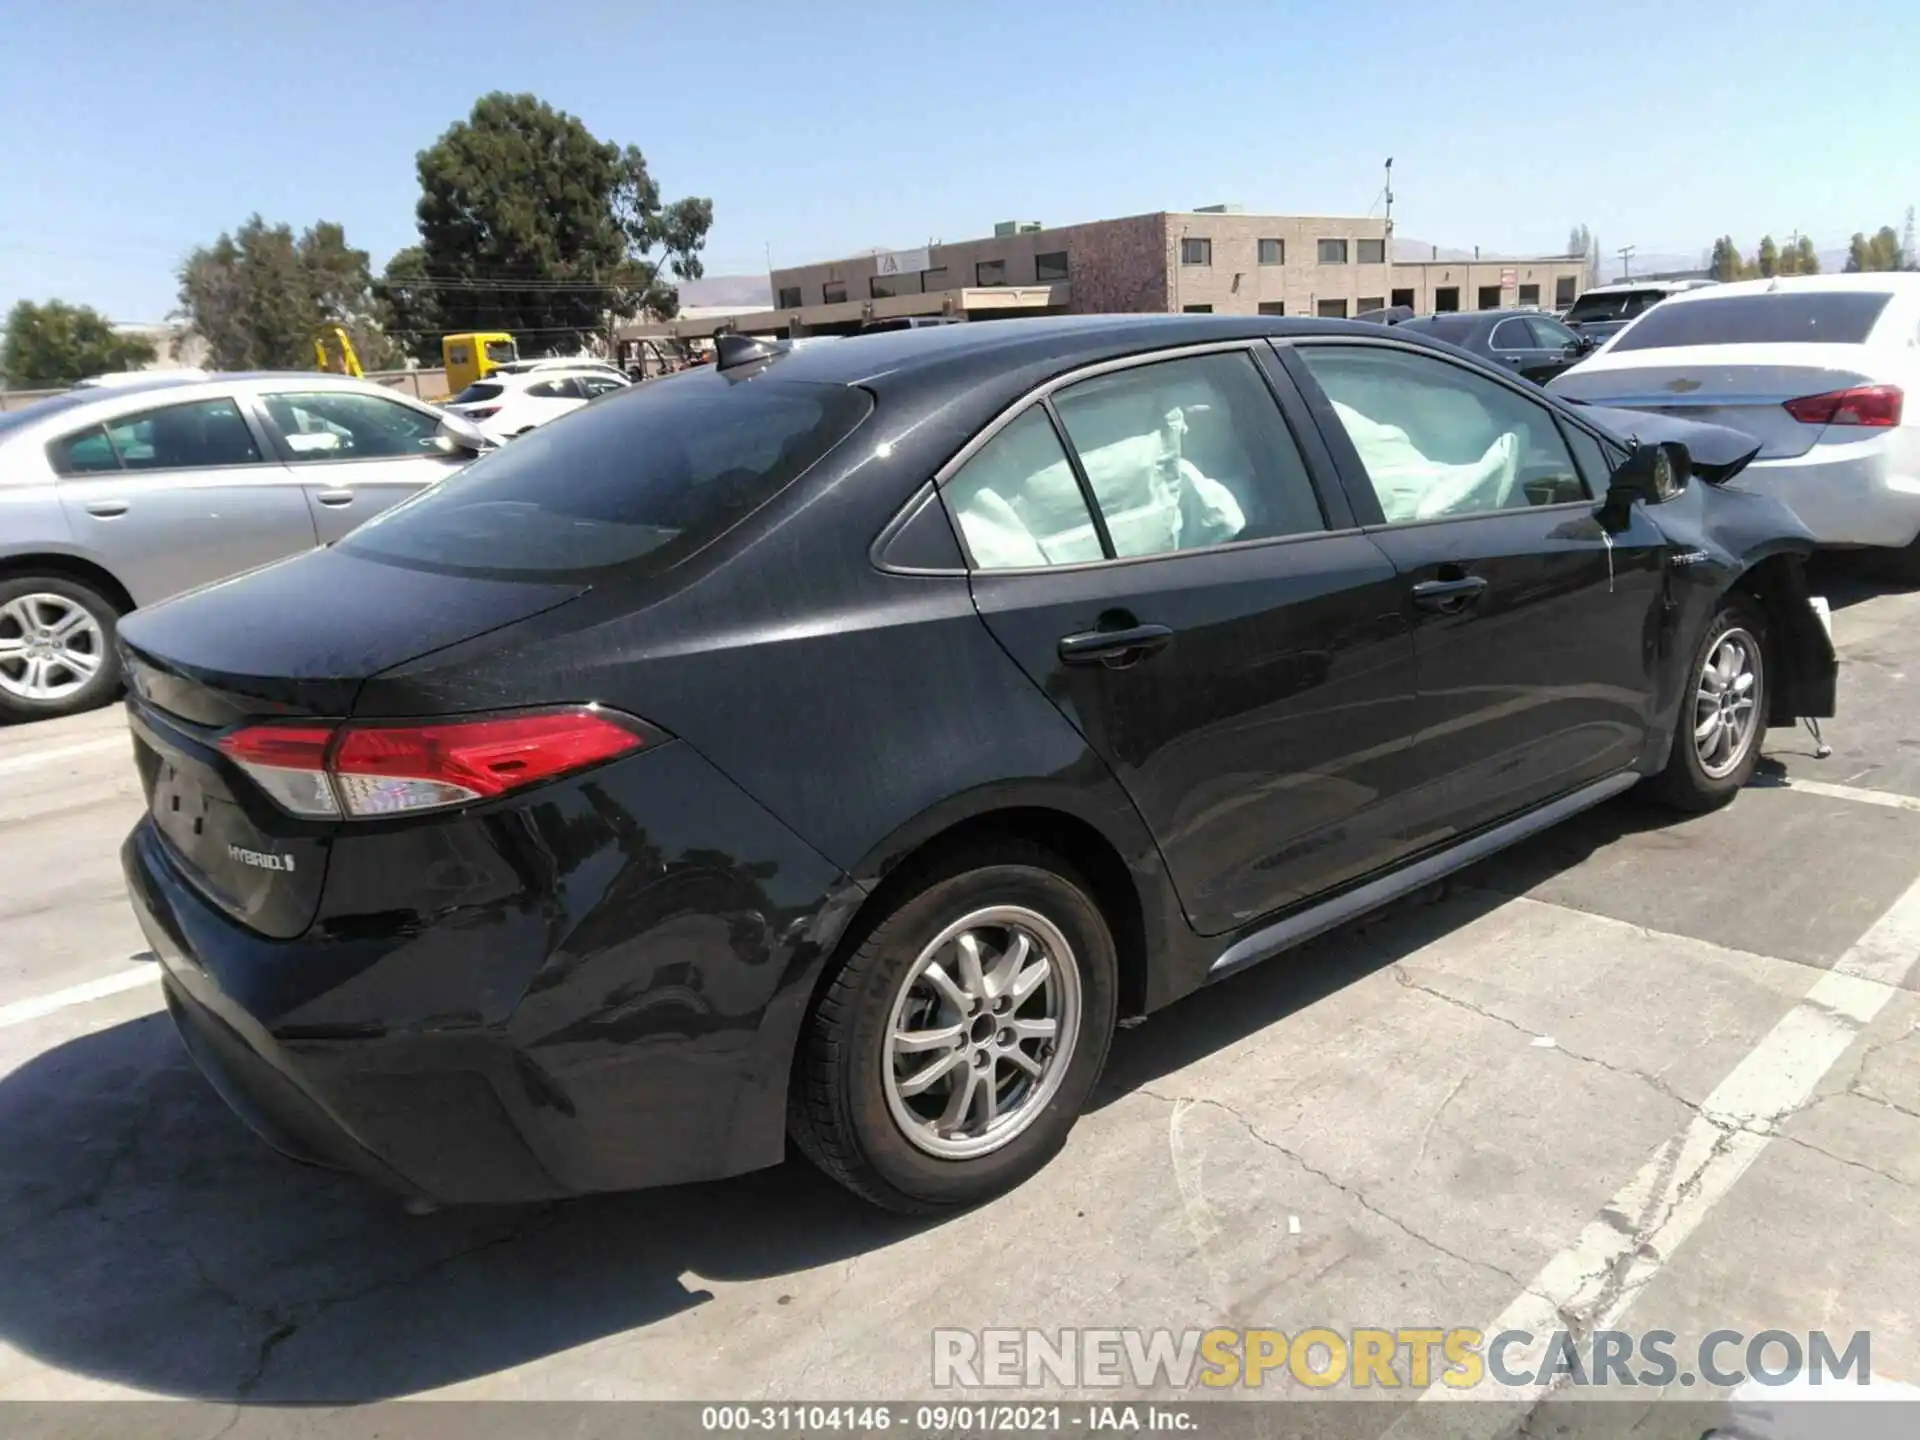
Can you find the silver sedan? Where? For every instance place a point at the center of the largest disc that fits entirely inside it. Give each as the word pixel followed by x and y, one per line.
pixel 118 496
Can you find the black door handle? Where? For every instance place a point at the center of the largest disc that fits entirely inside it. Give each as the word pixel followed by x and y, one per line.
pixel 1449 596
pixel 1114 647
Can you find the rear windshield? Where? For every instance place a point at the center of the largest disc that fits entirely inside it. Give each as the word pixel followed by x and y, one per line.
pixel 479 390
pixel 639 482
pixel 1830 317
pixel 1442 327
pixel 1619 305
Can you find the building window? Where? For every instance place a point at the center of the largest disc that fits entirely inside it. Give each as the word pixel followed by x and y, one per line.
pixel 934 279
pixel 1489 297
pixel 834 292
pixel 1563 288
pixel 1369 302
pixel 1273 307
pixel 1529 294
pixel 1051 266
pixel 1333 252
pixel 881 286
pixel 990 272
pixel 1331 309
pixel 1446 299
pixel 789 297
pixel 1403 297
pixel 1196 309
pixel 1273 252
pixel 1372 252
pixel 1196 251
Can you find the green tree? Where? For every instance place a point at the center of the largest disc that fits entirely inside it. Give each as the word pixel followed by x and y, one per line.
pixel 258 295
pixel 412 305
pixel 1884 252
pixel 1859 257
pixel 1767 258
pixel 1805 262
pixel 1726 263
pixel 531 224
pixel 57 344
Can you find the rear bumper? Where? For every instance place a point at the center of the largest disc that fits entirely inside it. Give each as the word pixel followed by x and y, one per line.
pixel 1861 493
pixel 644 1040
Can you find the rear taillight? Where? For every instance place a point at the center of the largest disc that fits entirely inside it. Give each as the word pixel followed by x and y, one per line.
pixel 1869 405
pixel 362 771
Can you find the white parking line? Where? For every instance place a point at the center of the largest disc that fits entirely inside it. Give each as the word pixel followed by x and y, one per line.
pixel 34 759
pixel 1849 792
pixel 1593 1282
pixel 21 1011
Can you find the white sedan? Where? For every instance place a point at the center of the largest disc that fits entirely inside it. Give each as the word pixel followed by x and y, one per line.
pixel 506 404
pixel 1814 367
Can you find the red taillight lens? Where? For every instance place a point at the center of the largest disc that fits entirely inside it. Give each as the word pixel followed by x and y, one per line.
pixel 1868 405
pixel 289 763
pixel 368 770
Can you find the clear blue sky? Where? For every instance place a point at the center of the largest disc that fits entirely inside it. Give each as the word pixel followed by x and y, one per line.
pixel 130 131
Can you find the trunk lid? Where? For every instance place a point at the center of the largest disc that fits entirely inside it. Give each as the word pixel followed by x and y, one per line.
pixel 1703 383
pixel 293 641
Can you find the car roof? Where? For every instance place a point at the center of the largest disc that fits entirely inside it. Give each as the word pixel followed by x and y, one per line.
pixel 1877 282
pixel 980 348
pixel 1670 287
pixel 108 400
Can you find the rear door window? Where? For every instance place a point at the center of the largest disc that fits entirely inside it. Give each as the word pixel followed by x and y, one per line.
pixel 1183 454
pixel 86 453
pixel 1818 317
pixel 640 482
pixel 200 435
pixel 478 391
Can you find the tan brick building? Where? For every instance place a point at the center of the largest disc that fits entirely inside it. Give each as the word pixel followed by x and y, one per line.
pixel 1213 259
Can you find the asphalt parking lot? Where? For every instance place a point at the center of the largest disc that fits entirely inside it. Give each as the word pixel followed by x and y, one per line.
pixel 1640 1073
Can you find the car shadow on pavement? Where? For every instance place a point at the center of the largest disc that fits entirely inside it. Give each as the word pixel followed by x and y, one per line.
pixel 1848 577
pixel 147 1239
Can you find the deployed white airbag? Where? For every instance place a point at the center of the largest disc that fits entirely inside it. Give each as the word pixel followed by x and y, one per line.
pixel 1413 487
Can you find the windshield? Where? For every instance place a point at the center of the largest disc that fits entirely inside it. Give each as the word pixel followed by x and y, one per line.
pixel 11 420
pixel 1613 305
pixel 1453 329
pixel 500 352
pixel 1832 317
pixel 651 476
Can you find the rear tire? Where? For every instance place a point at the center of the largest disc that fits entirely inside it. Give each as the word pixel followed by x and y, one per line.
pixel 1722 718
pixel 995 977
pixel 57 654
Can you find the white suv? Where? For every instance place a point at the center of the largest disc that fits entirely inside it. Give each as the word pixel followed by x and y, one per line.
pixel 506 403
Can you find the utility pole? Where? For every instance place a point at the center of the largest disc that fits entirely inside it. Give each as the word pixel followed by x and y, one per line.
pixel 1625 252
pixel 1389 256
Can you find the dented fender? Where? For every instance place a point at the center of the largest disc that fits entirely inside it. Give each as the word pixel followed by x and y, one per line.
pixel 1724 540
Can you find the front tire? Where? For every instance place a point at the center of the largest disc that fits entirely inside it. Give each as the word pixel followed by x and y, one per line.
pixel 948 1058
pixel 1723 713
pixel 57 654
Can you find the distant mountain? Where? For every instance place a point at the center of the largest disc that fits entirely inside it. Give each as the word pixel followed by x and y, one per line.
pixel 743 291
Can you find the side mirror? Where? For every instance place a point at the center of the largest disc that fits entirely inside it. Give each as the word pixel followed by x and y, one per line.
pixel 462 436
pixel 1650 474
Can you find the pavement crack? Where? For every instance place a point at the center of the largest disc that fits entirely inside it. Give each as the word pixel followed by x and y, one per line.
pixel 1656 1082
pixel 1351 1192
pixel 1821 1150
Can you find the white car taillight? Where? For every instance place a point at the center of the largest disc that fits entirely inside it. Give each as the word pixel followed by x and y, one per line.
pixel 363 771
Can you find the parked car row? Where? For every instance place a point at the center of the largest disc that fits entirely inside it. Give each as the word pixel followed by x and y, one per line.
pixel 838 741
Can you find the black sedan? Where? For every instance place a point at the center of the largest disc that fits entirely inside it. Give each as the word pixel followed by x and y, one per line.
pixel 1523 341
pixel 839 740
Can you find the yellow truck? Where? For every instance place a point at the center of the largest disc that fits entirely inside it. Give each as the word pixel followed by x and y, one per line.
pixel 475 356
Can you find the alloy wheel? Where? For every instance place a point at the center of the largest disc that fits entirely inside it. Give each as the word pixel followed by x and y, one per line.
pixel 50 647
pixel 982 1032
pixel 1726 709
